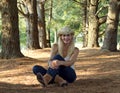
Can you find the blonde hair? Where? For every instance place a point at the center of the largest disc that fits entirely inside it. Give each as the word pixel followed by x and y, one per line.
pixel 65 30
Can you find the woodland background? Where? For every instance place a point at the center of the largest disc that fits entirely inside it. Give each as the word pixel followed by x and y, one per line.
pixel 28 28
pixel 33 24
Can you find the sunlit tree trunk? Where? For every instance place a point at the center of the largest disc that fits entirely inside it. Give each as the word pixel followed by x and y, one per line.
pixel 93 24
pixel 110 39
pixel 10 31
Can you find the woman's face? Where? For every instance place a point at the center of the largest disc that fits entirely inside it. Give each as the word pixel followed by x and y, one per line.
pixel 66 38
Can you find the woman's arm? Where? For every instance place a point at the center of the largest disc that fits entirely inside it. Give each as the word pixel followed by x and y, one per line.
pixel 69 62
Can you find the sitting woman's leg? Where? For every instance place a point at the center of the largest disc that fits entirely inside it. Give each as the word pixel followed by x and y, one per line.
pixel 58 57
pixel 57 78
pixel 39 69
pixel 52 75
pixel 48 76
pixel 67 73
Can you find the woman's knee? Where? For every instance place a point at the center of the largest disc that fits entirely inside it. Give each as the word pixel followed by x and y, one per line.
pixel 68 74
pixel 35 69
pixel 72 79
pixel 58 57
pixel 39 69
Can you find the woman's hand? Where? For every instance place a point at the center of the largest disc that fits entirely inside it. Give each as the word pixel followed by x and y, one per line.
pixel 54 64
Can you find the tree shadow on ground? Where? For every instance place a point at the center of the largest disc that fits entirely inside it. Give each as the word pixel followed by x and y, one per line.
pixel 79 86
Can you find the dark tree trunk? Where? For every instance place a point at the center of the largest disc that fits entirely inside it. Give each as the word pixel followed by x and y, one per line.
pixel 110 39
pixel 10 31
pixel 85 24
pixel 32 29
pixel 42 25
pixel 50 17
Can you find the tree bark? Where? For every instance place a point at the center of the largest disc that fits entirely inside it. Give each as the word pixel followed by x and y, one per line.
pixel 85 23
pixel 32 20
pixel 42 25
pixel 10 31
pixel 110 39
pixel 93 25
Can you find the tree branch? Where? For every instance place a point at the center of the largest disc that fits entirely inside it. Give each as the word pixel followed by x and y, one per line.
pixel 20 9
pixel 76 1
pixel 102 19
pixel 106 6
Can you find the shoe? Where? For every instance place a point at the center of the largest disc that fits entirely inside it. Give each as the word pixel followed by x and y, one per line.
pixel 40 79
pixel 44 80
pixel 60 81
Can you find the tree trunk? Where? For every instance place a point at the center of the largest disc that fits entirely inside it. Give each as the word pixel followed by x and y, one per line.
pixel 49 23
pixel 110 39
pixel 85 24
pixel 93 25
pixel 42 25
pixel 32 31
pixel 10 30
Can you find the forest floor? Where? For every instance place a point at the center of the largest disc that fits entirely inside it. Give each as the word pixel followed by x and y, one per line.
pixel 97 72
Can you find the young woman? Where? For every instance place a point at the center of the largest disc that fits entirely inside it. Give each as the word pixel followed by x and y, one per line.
pixel 61 63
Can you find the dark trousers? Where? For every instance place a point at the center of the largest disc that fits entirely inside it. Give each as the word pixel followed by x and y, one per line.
pixel 65 72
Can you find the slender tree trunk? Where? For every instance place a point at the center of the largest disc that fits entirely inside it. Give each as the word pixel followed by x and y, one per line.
pixel 50 17
pixel 93 24
pixel 85 24
pixel 41 24
pixel 110 39
pixel 10 30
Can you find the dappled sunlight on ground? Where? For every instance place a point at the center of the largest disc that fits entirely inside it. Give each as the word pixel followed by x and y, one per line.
pixel 97 72
pixel 42 53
